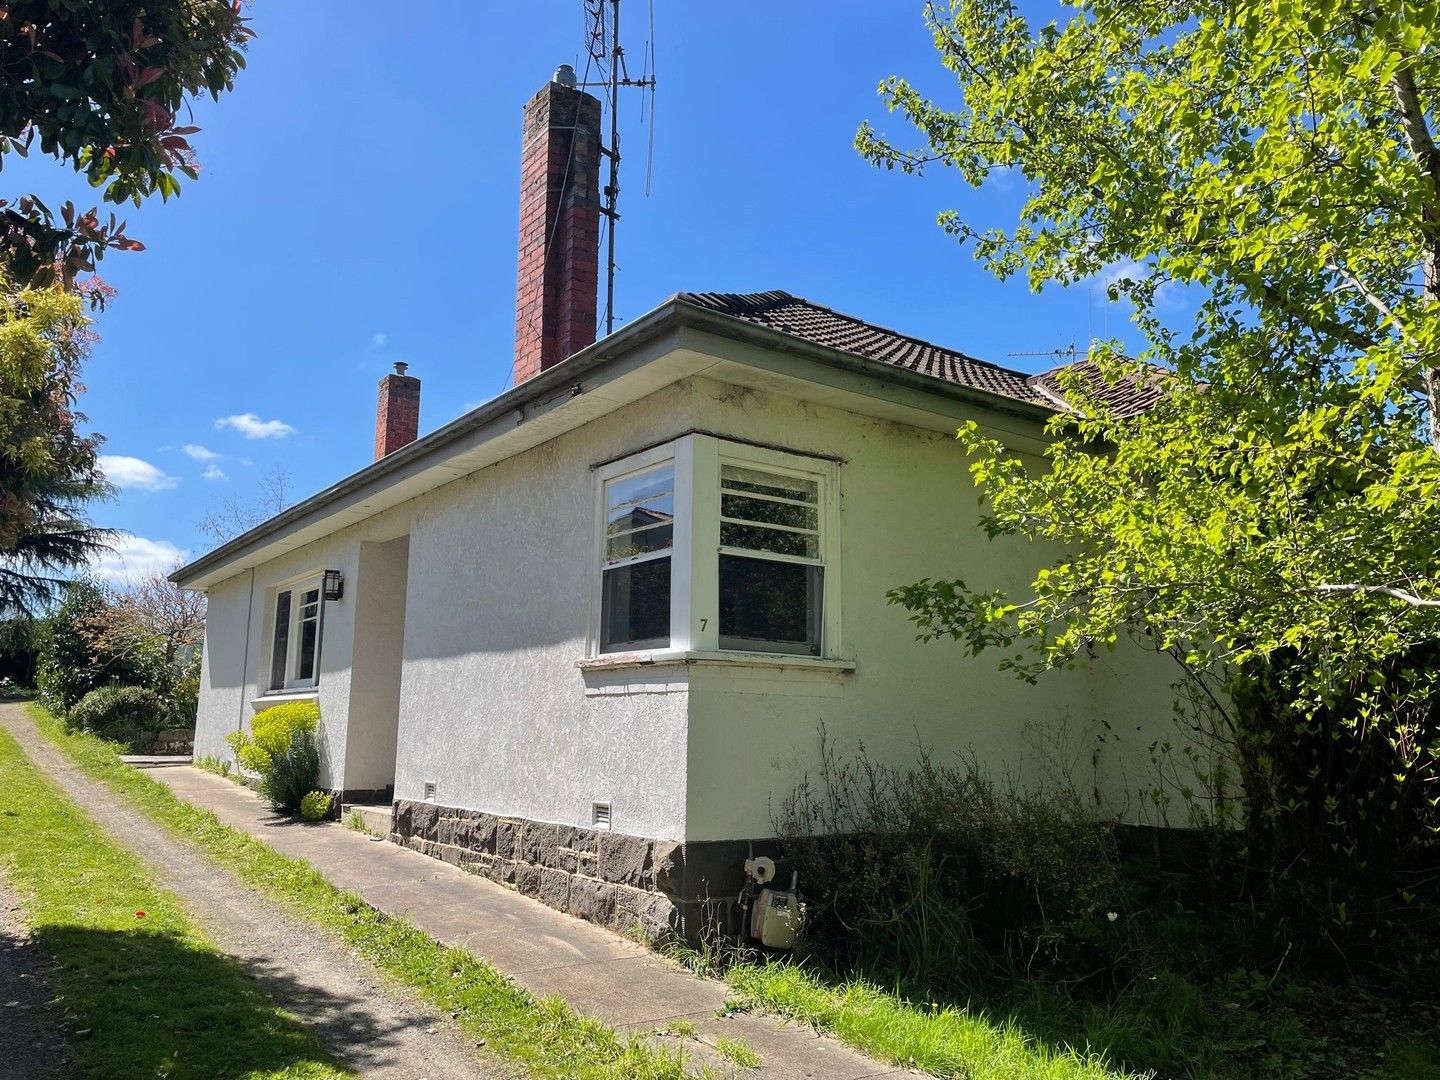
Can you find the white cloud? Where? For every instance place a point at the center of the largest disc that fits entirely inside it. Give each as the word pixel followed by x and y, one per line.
pixel 252 427
pixel 214 472
pixel 131 472
pixel 1003 178
pixel 1120 271
pixel 378 341
pixel 199 453
pixel 134 557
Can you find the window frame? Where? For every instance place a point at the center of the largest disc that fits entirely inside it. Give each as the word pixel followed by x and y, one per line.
pixel 297 587
pixel 676 454
pixel 696 549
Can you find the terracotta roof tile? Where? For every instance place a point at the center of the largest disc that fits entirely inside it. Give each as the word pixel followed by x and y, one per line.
pixel 822 326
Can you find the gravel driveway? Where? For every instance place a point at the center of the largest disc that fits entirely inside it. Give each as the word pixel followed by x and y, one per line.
pixel 365 1019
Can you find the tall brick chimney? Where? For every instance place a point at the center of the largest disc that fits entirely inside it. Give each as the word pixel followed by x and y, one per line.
pixel 397 416
pixel 559 226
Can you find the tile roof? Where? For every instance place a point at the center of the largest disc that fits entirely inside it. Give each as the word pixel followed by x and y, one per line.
pixel 823 326
pixel 1126 398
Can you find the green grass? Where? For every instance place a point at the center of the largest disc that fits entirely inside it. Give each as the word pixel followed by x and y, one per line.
pixel 738 1052
pixel 143 992
pixel 1169 1027
pixel 545 1036
pixel 942 1041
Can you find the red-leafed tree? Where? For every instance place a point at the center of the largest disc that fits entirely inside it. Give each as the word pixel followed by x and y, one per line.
pixel 102 87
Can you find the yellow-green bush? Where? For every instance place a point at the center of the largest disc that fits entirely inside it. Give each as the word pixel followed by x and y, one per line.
pixel 315 806
pixel 280 747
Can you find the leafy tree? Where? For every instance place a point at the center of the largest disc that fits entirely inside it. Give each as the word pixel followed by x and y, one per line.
pixel 48 469
pixel 1274 515
pixel 148 615
pixel 72 663
pixel 100 87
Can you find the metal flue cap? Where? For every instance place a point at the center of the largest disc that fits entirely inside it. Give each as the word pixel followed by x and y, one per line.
pixel 564 75
pixel 400 367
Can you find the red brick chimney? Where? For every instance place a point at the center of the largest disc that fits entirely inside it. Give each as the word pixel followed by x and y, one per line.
pixel 559 226
pixel 397 417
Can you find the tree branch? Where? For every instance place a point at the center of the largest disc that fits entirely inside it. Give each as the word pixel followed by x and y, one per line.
pixel 1410 598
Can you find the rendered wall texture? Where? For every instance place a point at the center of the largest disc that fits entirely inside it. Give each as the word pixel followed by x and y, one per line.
pixel 493 711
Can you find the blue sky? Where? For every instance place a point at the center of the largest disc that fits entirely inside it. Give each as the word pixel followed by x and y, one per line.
pixel 358 205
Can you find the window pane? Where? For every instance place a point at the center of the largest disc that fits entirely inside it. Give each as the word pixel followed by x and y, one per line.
pixel 803 545
pixel 280 646
pixel 644 488
pixel 739 478
pixel 635 606
pixel 657 511
pixel 768 605
pixel 309 634
pixel 638 543
pixel 769 512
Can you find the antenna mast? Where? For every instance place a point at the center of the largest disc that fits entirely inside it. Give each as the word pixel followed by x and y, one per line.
pixel 607 54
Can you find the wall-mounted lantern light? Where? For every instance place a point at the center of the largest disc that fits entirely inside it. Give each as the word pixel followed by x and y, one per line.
pixel 334 585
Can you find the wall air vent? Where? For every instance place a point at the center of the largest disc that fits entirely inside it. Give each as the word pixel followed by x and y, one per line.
pixel 429 790
pixel 600 815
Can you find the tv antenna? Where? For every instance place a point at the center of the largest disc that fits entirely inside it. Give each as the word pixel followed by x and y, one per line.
pixel 607 57
pixel 1066 353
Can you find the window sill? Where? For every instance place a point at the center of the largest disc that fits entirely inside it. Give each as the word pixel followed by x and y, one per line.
pixel 677 657
pixel 280 697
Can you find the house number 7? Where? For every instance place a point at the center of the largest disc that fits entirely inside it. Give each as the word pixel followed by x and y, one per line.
pixel 704 623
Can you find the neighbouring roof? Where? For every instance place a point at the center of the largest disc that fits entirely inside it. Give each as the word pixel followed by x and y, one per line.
pixel 1125 398
pixel 836 330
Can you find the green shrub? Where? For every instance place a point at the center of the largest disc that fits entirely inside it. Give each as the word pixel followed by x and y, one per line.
pixel 315 806
pixel 19 650
pixel 281 748
pixel 70 664
pixel 184 695
pixel 116 711
pixel 942 877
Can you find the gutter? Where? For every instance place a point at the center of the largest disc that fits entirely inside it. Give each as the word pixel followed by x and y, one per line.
pixel 676 312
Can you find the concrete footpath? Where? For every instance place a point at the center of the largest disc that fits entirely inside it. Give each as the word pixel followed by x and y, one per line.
pixel 600 974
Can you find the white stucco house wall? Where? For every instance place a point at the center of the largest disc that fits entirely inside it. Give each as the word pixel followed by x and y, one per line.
pixel 586 637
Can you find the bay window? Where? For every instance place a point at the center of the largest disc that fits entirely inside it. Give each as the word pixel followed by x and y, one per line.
pixel 713 546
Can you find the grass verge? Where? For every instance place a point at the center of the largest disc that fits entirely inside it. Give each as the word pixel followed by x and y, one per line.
pixel 545 1035
pixel 1168 1028
pixel 144 993
pixel 942 1041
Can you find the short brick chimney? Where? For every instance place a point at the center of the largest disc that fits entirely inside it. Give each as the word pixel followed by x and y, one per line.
pixel 559 226
pixel 397 416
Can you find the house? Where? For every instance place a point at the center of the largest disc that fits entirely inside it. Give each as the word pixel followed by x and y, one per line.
pixel 585 637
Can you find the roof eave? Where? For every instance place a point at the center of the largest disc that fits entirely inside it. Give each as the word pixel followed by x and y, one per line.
pixel 674 312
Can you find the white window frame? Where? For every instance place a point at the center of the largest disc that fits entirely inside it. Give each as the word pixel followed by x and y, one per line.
pixel 678 455
pixel 696 549
pixel 296 587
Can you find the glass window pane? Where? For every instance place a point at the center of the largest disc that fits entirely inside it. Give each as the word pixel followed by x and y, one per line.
pixel 741 479
pixel 769 512
pixel 638 543
pixel 770 606
pixel 309 634
pixel 279 652
pixel 635 606
pixel 657 511
pixel 643 488
pixel 801 545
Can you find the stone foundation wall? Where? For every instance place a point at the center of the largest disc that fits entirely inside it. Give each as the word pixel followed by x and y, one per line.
pixel 610 878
